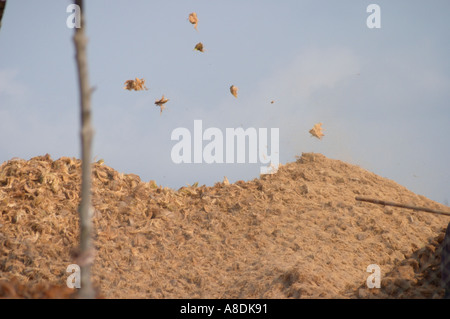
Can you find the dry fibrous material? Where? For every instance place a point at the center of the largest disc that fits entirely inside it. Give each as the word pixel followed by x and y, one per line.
pixel 15 289
pixel 317 131
pixel 161 103
pixel 298 233
pixel 137 85
pixel 193 19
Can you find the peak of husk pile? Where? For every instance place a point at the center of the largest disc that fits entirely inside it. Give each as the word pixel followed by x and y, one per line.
pixel 296 234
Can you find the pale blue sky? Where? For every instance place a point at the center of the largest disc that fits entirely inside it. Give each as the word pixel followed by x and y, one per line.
pixel 382 94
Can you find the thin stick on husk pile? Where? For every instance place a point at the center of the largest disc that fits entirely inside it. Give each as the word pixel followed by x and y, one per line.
pixel 86 254
pixel 385 203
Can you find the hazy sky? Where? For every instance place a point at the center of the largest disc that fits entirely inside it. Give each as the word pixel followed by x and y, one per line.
pixel 382 94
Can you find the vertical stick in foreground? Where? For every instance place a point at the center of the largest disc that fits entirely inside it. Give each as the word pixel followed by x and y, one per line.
pixel 86 255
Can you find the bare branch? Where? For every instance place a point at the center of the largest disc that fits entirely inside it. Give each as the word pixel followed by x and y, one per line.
pixel 382 202
pixel 85 208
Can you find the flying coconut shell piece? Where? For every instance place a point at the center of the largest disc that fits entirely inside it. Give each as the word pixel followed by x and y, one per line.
pixel 161 103
pixel 137 85
pixel 193 19
pixel 234 90
pixel 317 131
pixel 199 47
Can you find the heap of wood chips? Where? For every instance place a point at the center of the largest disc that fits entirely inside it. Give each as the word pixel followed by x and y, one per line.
pixel 298 233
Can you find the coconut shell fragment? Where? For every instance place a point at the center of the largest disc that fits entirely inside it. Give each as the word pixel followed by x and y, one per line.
pixel 234 90
pixel 317 131
pixel 199 47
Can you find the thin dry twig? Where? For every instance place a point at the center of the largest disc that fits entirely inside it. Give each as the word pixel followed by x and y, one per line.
pixel 386 203
pixel 87 132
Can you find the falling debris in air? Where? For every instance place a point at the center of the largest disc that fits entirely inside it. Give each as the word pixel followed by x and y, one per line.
pixel 193 19
pixel 161 103
pixel 199 47
pixel 234 90
pixel 271 102
pixel 137 85
pixel 317 131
